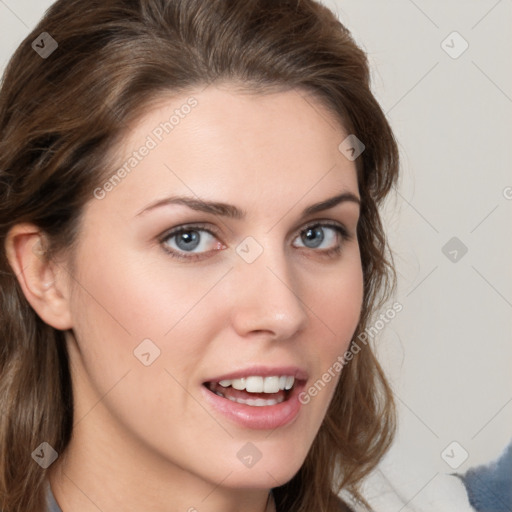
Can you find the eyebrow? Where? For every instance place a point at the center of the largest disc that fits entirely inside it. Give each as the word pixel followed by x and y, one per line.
pixel 233 212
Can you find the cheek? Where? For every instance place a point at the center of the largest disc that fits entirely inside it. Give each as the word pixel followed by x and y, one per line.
pixel 337 302
pixel 337 308
pixel 140 299
pixel 166 318
pixel 128 314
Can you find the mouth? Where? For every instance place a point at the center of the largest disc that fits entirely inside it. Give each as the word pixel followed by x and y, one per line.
pixel 257 401
pixel 254 390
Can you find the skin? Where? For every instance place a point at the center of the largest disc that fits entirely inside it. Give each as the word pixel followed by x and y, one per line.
pixel 143 435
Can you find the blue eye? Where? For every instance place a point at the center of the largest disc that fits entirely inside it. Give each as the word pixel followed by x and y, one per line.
pixel 193 240
pixel 188 240
pixel 313 237
pixel 325 236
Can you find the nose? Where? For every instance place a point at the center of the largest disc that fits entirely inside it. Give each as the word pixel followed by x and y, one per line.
pixel 267 298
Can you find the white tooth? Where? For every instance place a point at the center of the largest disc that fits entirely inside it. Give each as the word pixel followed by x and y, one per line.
pixel 253 384
pixel 256 402
pixel 257 384
pixel 238 383
pixel 271 385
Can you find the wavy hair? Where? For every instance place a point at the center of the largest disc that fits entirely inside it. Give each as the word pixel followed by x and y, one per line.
pixel 59 117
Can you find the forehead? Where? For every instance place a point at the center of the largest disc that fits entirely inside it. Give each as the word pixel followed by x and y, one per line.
pixel 218 143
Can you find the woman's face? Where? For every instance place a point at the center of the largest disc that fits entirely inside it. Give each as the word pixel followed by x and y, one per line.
pixel 246 281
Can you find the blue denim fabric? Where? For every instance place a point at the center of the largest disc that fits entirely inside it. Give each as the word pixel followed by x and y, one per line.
pixel 489 487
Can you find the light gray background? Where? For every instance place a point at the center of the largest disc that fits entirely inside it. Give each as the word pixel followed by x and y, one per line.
pixel 449 352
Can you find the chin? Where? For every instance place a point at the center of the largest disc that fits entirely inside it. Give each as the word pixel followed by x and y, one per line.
pixel 263 478
pixel 273 463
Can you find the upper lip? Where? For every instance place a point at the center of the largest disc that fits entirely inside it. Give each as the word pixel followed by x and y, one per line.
pixel 263 371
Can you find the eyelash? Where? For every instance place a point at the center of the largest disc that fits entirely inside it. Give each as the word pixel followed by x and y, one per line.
pixel 339 228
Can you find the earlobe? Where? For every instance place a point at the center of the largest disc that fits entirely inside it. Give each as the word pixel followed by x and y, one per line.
pixel 42 281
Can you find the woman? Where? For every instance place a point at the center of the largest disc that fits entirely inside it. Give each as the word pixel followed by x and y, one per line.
pixel 191 247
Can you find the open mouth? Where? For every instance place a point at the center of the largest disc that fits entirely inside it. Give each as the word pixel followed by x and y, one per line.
pixel 254 390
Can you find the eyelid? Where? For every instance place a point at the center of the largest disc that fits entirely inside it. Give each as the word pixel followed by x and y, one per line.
pixel 203 226
pixel 327 223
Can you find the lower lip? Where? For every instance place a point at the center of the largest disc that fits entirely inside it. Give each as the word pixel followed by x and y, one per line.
pixel 262 418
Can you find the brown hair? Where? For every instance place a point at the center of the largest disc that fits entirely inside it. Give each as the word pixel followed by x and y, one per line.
pixel 60 116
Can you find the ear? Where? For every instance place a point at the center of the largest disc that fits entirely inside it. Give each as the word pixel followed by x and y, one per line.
pixel 44 283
